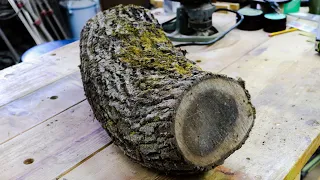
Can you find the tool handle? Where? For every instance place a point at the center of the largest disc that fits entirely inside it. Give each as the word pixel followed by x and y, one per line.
pixel 282 32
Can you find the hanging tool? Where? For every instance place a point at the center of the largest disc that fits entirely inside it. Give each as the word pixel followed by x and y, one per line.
pixel 37 20
pixel 194 23
pixel 51 13
pixel 45 14
pixel 36 39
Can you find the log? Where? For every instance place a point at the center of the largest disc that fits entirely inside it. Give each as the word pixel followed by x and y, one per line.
pixel 162 110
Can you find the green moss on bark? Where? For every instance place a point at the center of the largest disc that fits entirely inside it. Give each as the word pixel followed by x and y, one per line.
pixel 148 47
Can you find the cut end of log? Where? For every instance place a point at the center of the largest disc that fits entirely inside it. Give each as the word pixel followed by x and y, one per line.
pixel 213 120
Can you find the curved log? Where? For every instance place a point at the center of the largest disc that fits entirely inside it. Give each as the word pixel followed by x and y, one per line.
pixel 162 110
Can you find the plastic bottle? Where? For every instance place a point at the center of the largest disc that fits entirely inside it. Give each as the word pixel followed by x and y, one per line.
pixel 292 7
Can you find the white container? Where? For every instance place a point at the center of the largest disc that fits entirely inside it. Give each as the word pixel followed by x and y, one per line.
pixel 79 12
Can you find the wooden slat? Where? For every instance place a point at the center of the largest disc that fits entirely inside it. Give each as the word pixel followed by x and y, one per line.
pixel 100 167
pixel 234 48
pixel 279 59
pixel 276 59
pixel 298 177
pixel 287 123
pixel 269 60
pixel 110 164
pixel 56 146
pixel 28 111
pixel 296 169
pixel 22 79
pixel 227 51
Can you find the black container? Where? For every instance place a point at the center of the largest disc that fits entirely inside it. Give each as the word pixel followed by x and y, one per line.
pixel 253 19
pixel 274 22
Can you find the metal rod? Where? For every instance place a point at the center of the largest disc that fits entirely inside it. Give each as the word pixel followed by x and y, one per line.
pixel 33 27
pixel 45 14
pixel 10 47
pixel 34 7
pixel 55 19
pixel 37 21
pixel 24 22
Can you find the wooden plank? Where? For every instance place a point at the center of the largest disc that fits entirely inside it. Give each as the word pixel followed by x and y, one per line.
pixel 112 164
pixel 227 51
pixel 298 177
pixel 269 60
pixel 39 73
pixel 286 125
pixel 296 169
pixel 261 68
pixel 100 167
pixel 30 110
pixel 235 48
pixel 273 60
pixel 55 146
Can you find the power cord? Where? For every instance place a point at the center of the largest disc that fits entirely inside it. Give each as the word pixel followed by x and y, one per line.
pixel 7 12
pixel 219 37
pixel 8 17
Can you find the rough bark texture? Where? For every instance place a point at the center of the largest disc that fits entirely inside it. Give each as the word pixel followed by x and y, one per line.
pixel 134 79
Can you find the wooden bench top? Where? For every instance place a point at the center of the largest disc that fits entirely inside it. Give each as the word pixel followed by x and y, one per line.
pixel 48 131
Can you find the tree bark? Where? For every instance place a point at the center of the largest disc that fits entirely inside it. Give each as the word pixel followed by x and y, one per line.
pixel 162 110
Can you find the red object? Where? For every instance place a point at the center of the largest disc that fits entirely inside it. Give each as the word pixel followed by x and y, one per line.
pixel 50 11
pixel 20 5
pixel 37 22
pixel 43 12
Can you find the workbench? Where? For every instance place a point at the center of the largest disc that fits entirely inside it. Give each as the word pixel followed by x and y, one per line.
pixel 48 131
